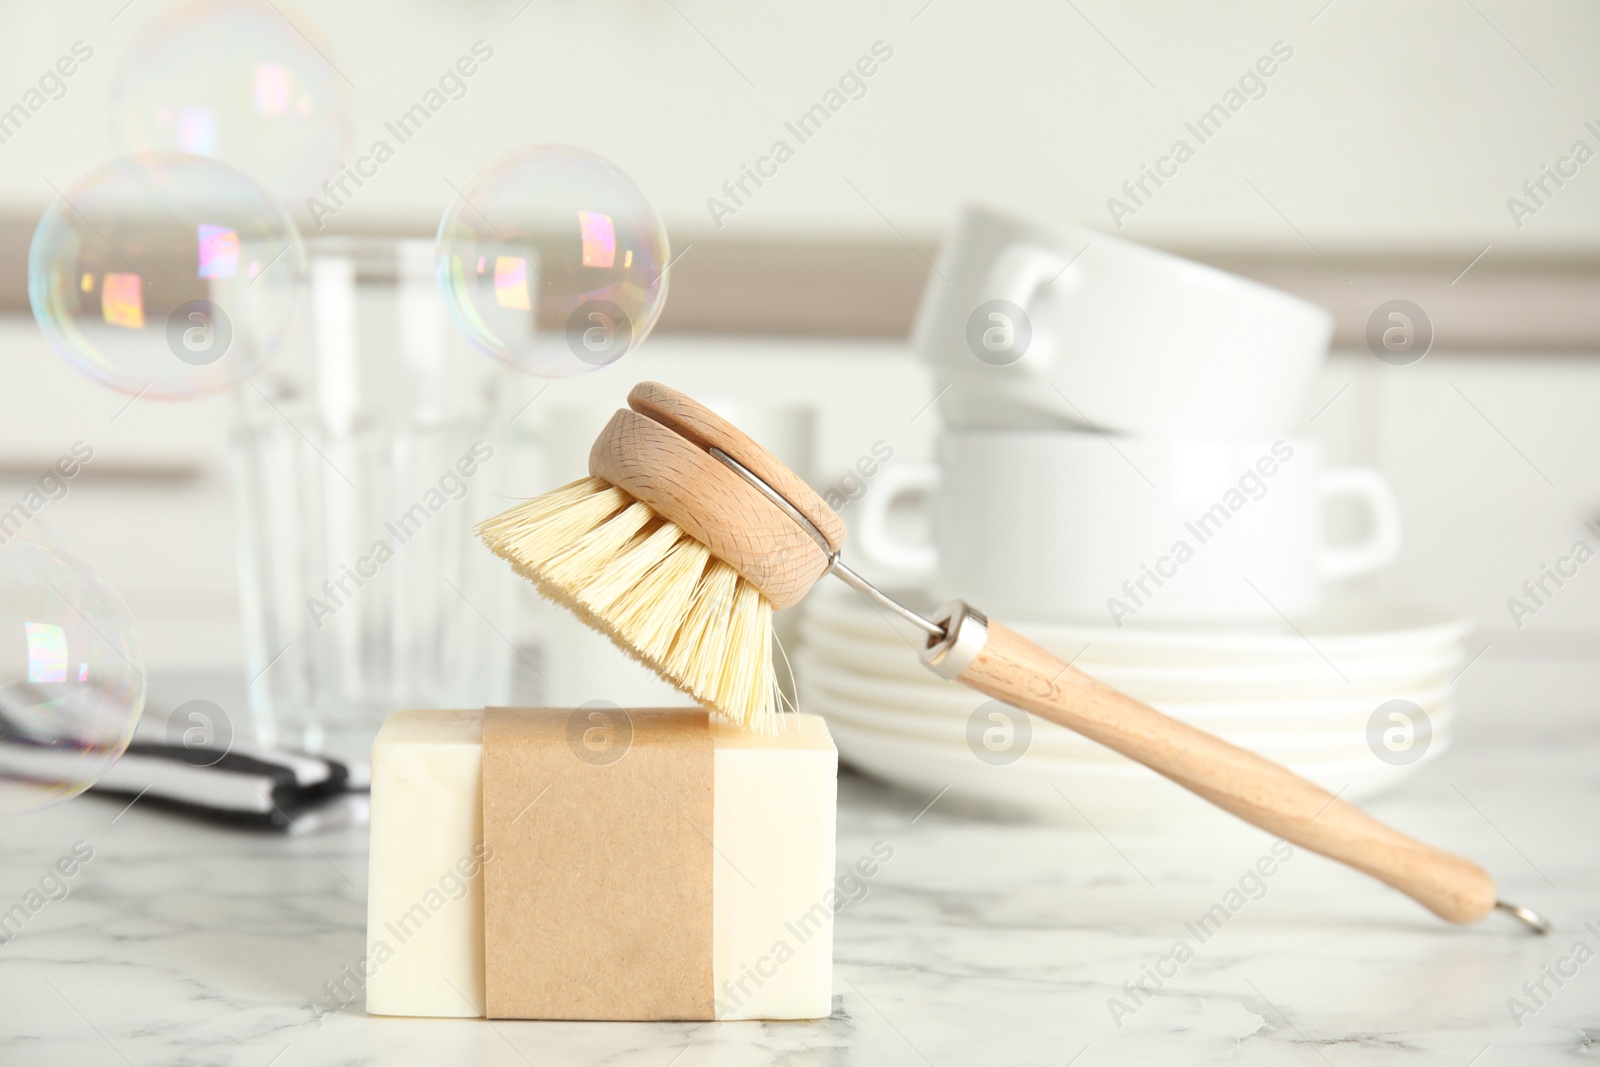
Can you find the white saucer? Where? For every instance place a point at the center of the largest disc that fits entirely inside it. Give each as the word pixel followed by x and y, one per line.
pixel 896 660
pixel 1348 628
pixel 955 704
pixel 1301 694
pixel 1108 796
pixel 1058 743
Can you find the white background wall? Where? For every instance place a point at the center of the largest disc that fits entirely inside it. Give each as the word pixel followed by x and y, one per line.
pixel 1392 126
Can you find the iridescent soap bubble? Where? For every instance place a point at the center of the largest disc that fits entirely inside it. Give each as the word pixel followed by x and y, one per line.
pixel 71 676
pixel 238 82
pixel 165 275
pixel 552 261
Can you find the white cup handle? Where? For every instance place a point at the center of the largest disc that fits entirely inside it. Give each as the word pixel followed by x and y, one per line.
pixel 1017 275
pixel 1019 271
pixel 1382 544
pixel 871 535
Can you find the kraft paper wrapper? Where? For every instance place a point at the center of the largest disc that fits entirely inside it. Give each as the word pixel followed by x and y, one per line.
pixel 598 903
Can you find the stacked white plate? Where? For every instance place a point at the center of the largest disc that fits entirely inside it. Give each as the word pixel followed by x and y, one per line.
pixel 1303 695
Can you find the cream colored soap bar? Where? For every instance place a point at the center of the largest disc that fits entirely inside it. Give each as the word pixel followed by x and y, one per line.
pixel 773 859
pixel 425 872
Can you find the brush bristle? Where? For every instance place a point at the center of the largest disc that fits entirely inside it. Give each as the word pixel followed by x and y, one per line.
pixel 654 590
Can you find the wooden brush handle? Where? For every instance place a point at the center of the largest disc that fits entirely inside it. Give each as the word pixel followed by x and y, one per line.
pixel 1011 668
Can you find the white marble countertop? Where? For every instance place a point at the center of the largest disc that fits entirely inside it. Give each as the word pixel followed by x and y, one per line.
pixel 979 942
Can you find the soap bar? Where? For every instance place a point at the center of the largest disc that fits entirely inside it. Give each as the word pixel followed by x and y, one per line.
pixel 772 839
pixel 425 871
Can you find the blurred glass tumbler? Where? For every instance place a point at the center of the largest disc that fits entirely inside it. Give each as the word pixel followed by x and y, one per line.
pixel 361 470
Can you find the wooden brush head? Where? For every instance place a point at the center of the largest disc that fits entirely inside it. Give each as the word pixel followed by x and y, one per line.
pixel 657 450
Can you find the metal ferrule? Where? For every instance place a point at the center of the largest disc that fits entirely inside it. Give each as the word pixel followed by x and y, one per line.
pixel 966 630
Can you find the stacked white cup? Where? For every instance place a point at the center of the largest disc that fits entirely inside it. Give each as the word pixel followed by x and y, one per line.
pixel 1123 439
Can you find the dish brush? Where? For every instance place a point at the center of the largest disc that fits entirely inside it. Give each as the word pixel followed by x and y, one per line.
pixel 688 535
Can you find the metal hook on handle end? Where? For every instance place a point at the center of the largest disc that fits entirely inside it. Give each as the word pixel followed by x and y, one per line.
pixel 1527 916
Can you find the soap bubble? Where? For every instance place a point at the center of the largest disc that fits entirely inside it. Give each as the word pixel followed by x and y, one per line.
pixel 33 530
pixel 237 82
pixel 552 261
pixel 165 275
pixel 71 676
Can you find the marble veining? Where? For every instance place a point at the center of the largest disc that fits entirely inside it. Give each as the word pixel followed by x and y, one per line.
pixel 979 942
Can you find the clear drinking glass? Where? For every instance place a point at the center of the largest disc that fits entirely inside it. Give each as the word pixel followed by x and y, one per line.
pixel 363 458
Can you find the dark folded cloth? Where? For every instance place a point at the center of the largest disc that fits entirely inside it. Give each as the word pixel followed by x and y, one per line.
pixel 246 786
